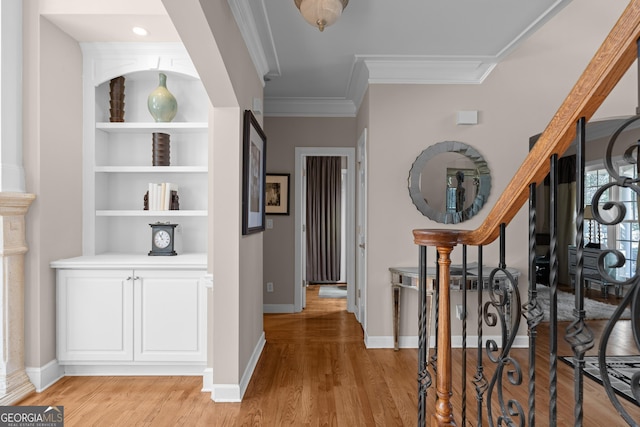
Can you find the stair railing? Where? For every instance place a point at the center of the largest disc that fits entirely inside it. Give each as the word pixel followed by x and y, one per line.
pixel 609 64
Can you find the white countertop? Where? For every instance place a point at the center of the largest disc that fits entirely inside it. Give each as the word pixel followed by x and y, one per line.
pixel 193 261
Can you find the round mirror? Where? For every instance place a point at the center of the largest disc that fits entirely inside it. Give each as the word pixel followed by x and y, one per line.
pixel 449 182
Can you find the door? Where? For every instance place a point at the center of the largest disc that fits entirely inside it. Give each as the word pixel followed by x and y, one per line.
pixel 361 227
pixel 95 315
pixel 170 316
pixel 301 154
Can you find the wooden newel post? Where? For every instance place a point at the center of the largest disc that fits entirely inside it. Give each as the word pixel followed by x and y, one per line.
pixel 444 241
pixel 443 415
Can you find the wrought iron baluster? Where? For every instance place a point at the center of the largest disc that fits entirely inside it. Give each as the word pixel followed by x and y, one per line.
pixel 424 378
pixel 436 296
pixel 532 311
pixel 578 333
pixel 479 379
pixel 553 291
pixel 464 335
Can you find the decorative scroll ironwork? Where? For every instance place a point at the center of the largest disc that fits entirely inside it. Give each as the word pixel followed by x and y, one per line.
pixel 611 259
pixel 504 307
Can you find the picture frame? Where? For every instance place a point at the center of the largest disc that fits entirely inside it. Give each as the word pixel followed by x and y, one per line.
pixel 277 194
pixel 254 161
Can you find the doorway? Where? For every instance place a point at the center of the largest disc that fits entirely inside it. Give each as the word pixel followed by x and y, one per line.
pixel 301 154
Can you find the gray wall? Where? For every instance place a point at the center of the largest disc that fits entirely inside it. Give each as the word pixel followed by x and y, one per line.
pixel 284 134
pixel 53 167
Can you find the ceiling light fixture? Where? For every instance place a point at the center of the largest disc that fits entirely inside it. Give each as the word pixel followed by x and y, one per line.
pixel 139 31
pixel 321 13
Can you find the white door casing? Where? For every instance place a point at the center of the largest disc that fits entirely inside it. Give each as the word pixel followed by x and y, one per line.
pixel 361 226
pixel 301 154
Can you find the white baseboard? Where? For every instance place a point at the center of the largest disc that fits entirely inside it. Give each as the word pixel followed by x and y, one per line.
pixel 84 370
pixel 226 393
pixel 521 341
pixel 235 392
pixel 44 377
pixel 277 308
pixel 207 380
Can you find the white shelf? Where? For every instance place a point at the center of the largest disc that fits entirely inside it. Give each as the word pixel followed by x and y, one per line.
pixel 143 213
pixel 151 169
pixel 145 127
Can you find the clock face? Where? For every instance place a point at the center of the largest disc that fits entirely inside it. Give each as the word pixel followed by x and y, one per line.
pixel 161 239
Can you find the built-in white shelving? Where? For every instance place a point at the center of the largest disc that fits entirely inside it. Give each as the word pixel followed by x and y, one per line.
pixel 118 155
pixel 119 310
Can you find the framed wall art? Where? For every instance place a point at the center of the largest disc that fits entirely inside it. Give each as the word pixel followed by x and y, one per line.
pixel 253 175
pixel 277 195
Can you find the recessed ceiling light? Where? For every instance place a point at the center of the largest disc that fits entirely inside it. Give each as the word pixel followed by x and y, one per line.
pixel 140 31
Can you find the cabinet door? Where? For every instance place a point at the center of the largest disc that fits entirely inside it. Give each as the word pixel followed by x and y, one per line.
pixel 170 316
pixel 95 315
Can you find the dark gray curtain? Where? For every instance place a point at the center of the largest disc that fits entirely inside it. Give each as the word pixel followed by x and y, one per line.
pixel 324 190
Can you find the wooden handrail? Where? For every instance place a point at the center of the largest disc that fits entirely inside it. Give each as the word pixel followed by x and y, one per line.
pixel 609 64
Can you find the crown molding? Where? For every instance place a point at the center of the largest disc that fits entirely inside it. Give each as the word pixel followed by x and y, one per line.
pixel 426 70
pixel 256 34
pixel 309 107
pixel 379 69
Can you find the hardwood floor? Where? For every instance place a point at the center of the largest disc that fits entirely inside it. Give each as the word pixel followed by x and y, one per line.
pixel 315 370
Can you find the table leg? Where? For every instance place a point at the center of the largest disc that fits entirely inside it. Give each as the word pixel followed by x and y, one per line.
pixel 395 292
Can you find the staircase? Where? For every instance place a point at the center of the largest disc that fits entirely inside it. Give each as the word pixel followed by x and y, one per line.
pixel 616 54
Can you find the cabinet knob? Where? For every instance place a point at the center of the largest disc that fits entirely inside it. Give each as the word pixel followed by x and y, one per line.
pixel 129 278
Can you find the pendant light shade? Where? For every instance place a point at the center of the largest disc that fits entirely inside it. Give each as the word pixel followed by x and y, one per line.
pixel 321 13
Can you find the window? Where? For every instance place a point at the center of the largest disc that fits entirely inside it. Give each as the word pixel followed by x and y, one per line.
pixel 594 178
pixel 624 236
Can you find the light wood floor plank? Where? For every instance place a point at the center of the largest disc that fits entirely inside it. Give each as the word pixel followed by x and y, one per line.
pixel 316 371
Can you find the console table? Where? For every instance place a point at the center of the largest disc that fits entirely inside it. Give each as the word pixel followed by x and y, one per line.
pixel 590 272
pixel 407 278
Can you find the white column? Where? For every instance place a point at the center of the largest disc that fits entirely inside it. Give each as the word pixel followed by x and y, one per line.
pixel 14 203
pixel 14 383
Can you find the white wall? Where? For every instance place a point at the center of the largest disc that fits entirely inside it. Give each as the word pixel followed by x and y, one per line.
pixel 284 135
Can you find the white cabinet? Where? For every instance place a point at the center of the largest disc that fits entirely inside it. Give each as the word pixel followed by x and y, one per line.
pixel 118 308
pixel 134 316
pixel 118 165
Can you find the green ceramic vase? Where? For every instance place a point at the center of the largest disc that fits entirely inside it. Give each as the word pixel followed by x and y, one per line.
pixel 162 104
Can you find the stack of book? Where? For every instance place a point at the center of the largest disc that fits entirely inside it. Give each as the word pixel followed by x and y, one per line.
pixel 161 197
